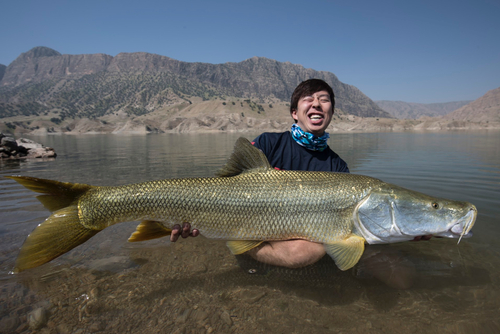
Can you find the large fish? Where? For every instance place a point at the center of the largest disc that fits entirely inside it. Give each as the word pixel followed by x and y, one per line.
pixel 247 203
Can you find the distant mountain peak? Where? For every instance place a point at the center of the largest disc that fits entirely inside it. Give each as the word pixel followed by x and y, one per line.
pixel 40 51
pixel 35 53
pixel 485 108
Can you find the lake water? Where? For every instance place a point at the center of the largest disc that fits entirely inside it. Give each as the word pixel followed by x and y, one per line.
pixel 196 286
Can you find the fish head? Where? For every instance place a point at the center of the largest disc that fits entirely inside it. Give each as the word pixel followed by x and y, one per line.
pixel 390 213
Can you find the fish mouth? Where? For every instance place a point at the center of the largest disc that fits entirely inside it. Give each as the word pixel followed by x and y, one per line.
pixel 461 228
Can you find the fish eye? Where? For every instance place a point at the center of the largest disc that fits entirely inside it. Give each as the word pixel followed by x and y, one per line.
pixel 435 205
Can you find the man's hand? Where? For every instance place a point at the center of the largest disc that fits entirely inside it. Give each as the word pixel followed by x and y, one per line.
pixel 184 232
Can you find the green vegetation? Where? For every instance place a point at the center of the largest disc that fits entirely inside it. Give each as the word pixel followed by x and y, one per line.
pixel 254 106
pixel 99 94
pixel 25 109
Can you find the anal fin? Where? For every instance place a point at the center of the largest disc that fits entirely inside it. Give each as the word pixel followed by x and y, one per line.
pixel 241 246
pixel 347 252
pixel 149 229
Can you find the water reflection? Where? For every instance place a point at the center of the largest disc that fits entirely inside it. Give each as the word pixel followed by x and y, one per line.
pixel 196 286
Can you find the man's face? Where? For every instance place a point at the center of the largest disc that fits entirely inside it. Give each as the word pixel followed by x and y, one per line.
pixel 314 112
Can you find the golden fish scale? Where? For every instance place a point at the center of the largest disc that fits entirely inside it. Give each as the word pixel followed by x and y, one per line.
pixel 270 205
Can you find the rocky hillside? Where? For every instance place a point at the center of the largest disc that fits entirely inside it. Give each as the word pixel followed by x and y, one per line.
pixel 43 91
pixel 43 81
pixel 484 109
pixel 2 71
pixel 408 110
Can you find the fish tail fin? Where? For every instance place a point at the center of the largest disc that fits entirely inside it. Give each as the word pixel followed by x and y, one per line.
pixel 56 195
pixel 59 233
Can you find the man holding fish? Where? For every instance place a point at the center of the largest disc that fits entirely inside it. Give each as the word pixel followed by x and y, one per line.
pixel 288 218
pixel 303 148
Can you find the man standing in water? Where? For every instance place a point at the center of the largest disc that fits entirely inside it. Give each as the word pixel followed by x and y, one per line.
pixel 303 148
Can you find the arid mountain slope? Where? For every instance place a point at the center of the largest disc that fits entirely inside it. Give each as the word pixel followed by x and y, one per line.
pixel 409 110
pixel 42 80
pixel 485 108
pixel 43 91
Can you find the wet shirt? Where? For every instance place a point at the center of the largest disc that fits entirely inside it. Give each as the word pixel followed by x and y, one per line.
pixel 284 153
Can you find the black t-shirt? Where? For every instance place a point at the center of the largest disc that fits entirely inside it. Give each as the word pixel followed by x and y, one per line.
pixel 284 153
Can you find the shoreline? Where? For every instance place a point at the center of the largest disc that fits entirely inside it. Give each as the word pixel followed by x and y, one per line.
pixel 348 124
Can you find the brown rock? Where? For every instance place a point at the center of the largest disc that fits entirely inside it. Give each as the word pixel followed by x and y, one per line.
pixel 44 152
pixel 9 324
pixel 226 318
pixel 37 318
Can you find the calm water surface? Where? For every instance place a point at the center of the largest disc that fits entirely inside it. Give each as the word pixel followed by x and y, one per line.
pixel 196 286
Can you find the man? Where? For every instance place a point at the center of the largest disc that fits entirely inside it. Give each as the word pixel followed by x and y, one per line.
pixel 302 148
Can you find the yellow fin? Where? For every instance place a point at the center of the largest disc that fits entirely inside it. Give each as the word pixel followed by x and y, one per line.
pixel 60 233
pixel 241 246
pixel 149 229
pixel 244 157
pixel 346 253
pixel 57 195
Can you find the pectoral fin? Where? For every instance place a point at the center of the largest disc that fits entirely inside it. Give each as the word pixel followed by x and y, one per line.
pixel 346 253
pixel 241 246
pixel 149 229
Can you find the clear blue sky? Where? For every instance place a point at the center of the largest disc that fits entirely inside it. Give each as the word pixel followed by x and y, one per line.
pixel 413 51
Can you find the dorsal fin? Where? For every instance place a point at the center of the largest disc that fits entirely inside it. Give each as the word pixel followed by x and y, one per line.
pixel 244 157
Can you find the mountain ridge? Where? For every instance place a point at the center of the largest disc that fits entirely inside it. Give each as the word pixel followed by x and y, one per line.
pixel 255 77
pixel 411 110
pixel 484 109
pixel 43 91
pixel 2 71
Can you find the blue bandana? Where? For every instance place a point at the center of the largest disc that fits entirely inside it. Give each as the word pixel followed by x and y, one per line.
pixel 308 140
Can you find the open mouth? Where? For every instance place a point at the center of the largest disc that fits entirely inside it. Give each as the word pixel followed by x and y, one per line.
pixel 460 232
pixel 315 118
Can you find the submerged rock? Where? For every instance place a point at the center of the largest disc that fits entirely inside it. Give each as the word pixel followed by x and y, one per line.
pixel 23 148
pixel 9 324
pixel 37 318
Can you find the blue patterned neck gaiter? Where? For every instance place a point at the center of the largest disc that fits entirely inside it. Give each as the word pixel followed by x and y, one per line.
pixel 308 140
